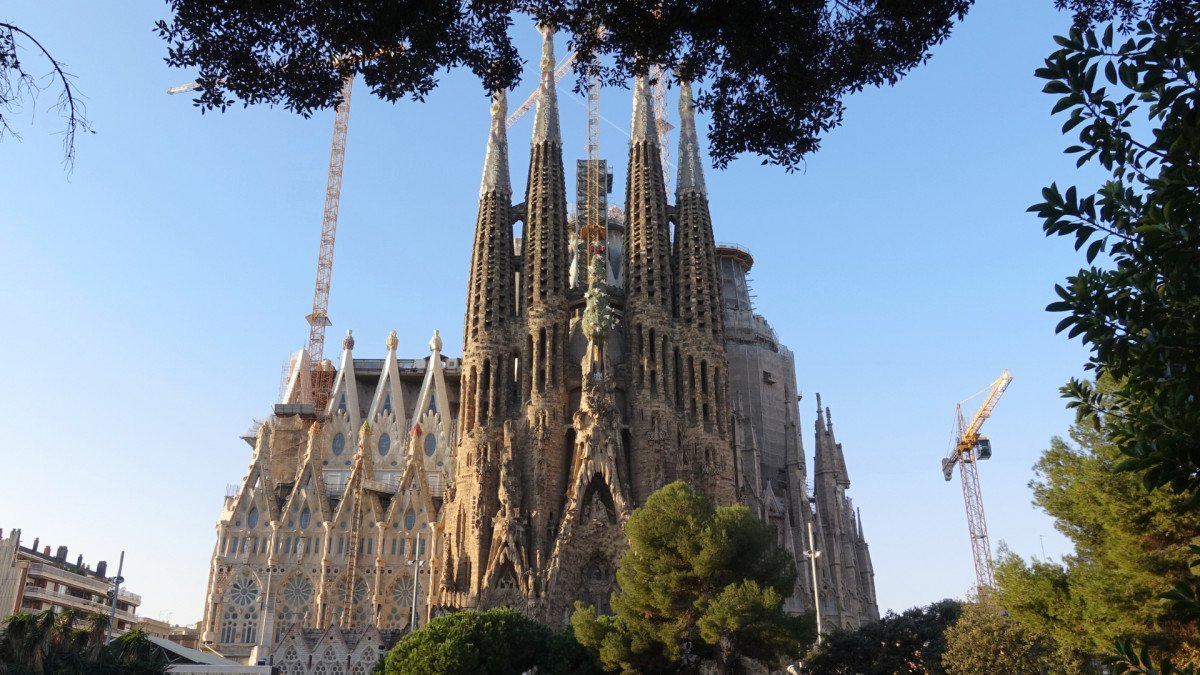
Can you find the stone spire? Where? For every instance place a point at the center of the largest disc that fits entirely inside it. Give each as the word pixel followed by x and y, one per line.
pixel 643 128
pixel 691 173
pixel 491 293
pixel 545 120
pixel 829 458
pixel 495 162
pixel 648 241
pixel 654 382
pixel 547 255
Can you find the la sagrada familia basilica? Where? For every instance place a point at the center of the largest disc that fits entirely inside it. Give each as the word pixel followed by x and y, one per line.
pixel 591 375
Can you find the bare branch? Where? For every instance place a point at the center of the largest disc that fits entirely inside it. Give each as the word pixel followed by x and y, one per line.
pixel 26 86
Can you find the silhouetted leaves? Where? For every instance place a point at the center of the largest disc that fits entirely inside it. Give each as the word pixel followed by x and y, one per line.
pixel 773 75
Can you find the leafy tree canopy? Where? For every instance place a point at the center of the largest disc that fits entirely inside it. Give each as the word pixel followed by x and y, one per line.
pixel 697 585
pixel 49 642
pixel 774 74
pixel 1131 546
pixel 495 642
pixel 1123 12
pixel 911 643
pixel 1134 106
pixel 984 641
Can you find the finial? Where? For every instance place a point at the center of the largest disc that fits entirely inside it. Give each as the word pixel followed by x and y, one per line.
pixel 314 428
pixel 392 341
pixel 348 341
pixel 495 163
pixel 364 433
pixel 828 419
pixel 643 127
pixel 435 342
pixel 818 406
pixel 691 174
pixel 545 120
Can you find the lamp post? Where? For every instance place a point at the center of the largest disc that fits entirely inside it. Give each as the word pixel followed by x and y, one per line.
pixel 812 554
pixel 112 612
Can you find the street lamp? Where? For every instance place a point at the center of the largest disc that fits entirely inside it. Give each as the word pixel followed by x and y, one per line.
pixel 116 582
pixel 812 554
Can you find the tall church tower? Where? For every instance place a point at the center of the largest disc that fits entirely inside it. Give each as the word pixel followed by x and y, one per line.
pixel 580 399
pixel 699 362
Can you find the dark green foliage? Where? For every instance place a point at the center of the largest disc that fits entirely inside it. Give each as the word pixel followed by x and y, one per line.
pixel 985 640
pixel 33 644
pixel 697 585
pixel 1139 308
pixel 495 642
pixel 1123 12
pixel 773 74
pixel 908 643
pixel 1134 105
pixel 1131 546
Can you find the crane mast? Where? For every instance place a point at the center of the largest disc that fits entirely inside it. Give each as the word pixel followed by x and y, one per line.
pixel 967 449
pixel 321 372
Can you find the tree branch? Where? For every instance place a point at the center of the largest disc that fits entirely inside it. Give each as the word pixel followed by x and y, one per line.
pixel 67 100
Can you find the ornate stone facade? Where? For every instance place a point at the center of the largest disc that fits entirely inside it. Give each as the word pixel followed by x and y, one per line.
pixel 579 398
pixel 329 527
pixel 595 370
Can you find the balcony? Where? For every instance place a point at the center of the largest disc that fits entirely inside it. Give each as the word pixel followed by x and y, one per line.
pixel 68 600
pixel 98 586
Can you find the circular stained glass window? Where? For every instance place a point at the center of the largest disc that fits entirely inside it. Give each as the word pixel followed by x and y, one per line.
pixel 243 592
pixel 298 592
pixel 385 443
pixel 430 444
pixel 339 444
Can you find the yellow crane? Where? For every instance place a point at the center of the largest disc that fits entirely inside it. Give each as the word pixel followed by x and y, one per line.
pixel 967 448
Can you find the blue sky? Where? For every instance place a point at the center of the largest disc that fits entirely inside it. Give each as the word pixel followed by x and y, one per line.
pixel 153 295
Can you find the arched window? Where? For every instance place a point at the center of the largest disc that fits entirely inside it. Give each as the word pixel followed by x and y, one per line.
pixel 241 616
pixel 430 444
pixel 339 443
pixel 305 517
pixel 410 519
pixel 252 518
pixel 387 403
pixel 385 443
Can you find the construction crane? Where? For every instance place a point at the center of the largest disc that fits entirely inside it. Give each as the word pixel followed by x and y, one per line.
pixel 320 374
pixel 560 71
pixel 967 447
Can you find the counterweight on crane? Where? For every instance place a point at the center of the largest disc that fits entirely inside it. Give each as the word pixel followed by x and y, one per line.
pixel 967 448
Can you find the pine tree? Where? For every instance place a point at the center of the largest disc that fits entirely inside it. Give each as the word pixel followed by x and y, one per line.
pixel 697 585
